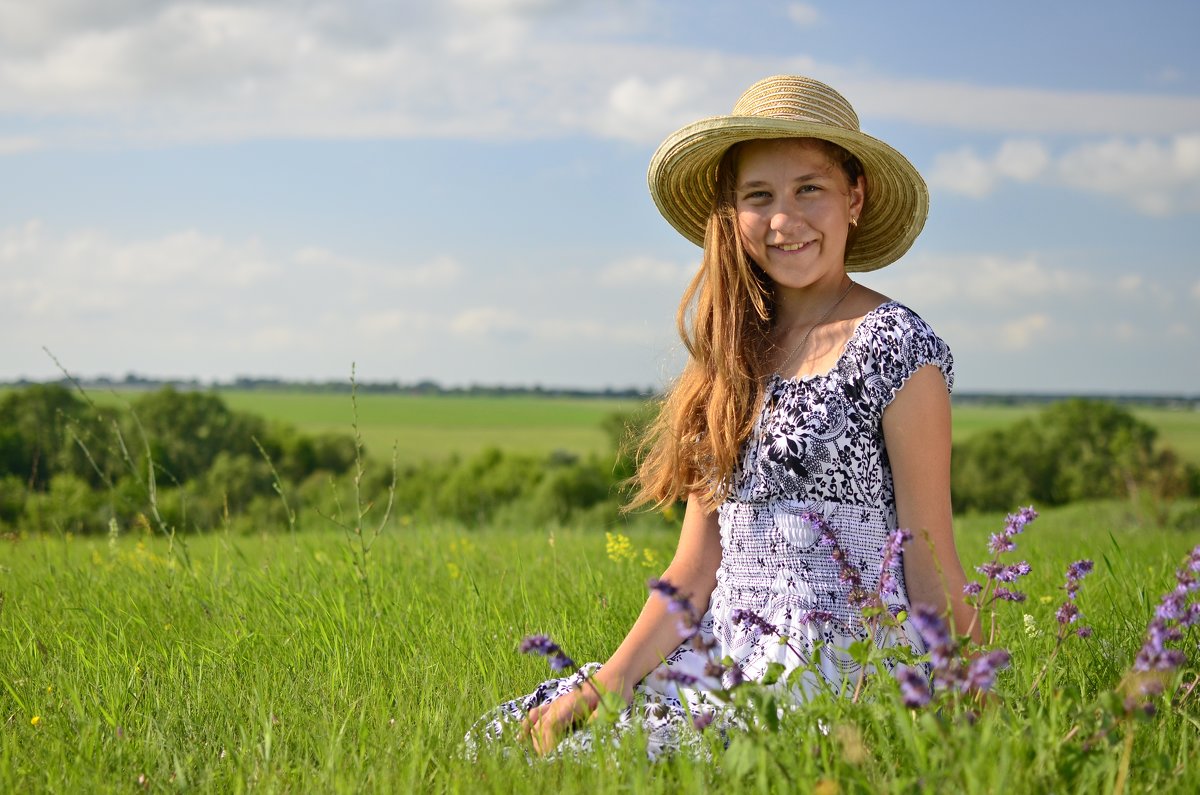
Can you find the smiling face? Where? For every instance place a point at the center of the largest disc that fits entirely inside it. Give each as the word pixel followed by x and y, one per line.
pixel 794 206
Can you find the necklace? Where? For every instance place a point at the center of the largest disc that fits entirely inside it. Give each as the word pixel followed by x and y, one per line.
pixel 820 320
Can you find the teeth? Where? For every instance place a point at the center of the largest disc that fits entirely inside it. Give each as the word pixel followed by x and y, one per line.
pixel 792 246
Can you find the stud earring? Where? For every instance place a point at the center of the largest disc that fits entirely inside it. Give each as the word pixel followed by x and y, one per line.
pixel 854 222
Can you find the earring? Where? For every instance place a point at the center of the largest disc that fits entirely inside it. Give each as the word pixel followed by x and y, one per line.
pixel 854 223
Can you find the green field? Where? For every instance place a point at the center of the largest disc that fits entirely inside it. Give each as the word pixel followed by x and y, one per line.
pixel 435 427
pixel 260 667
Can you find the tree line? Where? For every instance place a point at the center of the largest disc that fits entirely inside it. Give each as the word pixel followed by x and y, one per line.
pixel 184 461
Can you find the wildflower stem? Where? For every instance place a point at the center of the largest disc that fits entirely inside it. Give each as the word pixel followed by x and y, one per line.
pixel 1126 755
pixel 1046 667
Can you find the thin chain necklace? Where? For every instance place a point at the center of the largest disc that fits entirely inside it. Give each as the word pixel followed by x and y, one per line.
pixel 820 320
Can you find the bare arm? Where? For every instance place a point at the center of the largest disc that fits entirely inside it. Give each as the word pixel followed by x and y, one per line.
pixel 916 432
pixel 654 634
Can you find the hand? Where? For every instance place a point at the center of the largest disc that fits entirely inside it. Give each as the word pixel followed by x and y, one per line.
pixel 545 724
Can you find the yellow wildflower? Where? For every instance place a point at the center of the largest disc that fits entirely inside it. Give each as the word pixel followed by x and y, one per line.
pixel 453 569
pixel 1046 599
pixel 618 547
pixel 650 558
pixel 35 720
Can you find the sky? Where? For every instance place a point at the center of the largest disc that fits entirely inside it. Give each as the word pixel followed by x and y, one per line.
pixel 456 190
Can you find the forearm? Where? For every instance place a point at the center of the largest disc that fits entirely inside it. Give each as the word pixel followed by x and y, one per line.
pixel 656 633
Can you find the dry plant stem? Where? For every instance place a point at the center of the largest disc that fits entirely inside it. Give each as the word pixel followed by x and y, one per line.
pixel 148 483
pixel 1126 755
pixel 1046 667
pixel 360 544
pixel 1187 692
pixel 277 484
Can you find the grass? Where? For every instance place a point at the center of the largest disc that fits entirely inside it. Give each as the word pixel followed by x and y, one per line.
pixel 261 667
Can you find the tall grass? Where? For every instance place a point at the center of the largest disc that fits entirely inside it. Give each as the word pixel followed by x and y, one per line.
pixel 262 666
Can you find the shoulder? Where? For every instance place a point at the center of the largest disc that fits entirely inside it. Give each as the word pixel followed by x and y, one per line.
pixel 892 318
pixel 898 342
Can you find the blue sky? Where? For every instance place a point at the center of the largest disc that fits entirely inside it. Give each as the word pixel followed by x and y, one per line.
pixel 456 190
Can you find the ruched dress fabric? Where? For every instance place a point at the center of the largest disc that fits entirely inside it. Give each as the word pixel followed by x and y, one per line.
pixel 817 447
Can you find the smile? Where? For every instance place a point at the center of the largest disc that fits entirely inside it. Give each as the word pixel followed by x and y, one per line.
pixel 792 246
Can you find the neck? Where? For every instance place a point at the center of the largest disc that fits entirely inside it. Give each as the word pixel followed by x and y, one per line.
pixel 802 307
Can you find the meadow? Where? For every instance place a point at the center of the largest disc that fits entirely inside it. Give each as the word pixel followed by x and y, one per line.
pixel 232 663
pixel 436 427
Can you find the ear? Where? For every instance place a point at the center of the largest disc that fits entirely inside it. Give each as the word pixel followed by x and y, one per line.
pixel 858 196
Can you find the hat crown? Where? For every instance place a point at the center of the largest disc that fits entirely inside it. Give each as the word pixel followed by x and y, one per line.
pixel 797 98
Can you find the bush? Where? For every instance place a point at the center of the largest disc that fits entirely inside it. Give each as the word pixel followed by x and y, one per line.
pixel 1073 450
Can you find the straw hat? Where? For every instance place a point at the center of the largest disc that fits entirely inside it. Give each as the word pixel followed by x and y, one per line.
pixel 683 172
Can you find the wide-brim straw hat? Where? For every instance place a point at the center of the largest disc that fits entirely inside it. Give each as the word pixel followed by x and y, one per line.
pixel 683 172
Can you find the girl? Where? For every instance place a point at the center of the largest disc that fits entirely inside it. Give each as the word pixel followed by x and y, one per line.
pixel 805 393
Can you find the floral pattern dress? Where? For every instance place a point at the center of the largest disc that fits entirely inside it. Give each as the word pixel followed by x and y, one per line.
pixel 816 448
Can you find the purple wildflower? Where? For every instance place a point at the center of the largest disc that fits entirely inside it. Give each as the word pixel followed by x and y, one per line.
pixel 972 588
pixel 701 720
pixel 1076 572
pixel 1067 613
pixel 893 547
pixel 1007 595
pixel 1171 614
pixel 1084 632
pixel 560 662
pixel 543 646
pixel 679 677
pixel 914 687
pixel 538 644
pixel 753 620
pixel 1001 542
pixel 1015 523
pixel 937 638
pixel 816 616
pixel 981 674
pixel 677 602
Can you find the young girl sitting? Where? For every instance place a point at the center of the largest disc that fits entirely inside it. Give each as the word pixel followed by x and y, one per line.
pixel 808 402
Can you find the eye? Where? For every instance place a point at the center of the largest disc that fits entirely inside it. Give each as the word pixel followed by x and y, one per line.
pixel 809 188
pixel 755 198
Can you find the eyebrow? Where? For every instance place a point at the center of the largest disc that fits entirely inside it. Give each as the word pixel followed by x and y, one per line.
pixel 758 183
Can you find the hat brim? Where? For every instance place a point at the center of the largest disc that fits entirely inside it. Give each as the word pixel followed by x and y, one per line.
pixel 683 177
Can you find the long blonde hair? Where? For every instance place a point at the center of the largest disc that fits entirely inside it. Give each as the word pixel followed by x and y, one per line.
pixel 725 321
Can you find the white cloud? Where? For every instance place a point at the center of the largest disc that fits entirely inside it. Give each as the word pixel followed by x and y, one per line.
pixel 1024 332
pixel 14 145
pixel 442 271
pixel 636 271
pixel 982 280
pixel 489 322
pixel 991 307
pixel 176 70
pixel 964 172
pixel 187 296
pixel 1019 110
pixel 803 14
pixel 1155 177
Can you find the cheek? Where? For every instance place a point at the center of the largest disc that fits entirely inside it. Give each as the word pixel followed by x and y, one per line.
pixel 748 224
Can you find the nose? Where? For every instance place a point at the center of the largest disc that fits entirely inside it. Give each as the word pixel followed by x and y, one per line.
pixel 785 218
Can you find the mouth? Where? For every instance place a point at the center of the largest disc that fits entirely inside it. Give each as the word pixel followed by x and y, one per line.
pixel 792 246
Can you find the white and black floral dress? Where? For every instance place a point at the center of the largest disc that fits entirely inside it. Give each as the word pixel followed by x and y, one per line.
pixel 817 447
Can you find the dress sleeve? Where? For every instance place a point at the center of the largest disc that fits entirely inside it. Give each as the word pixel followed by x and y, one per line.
pixel 902 343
